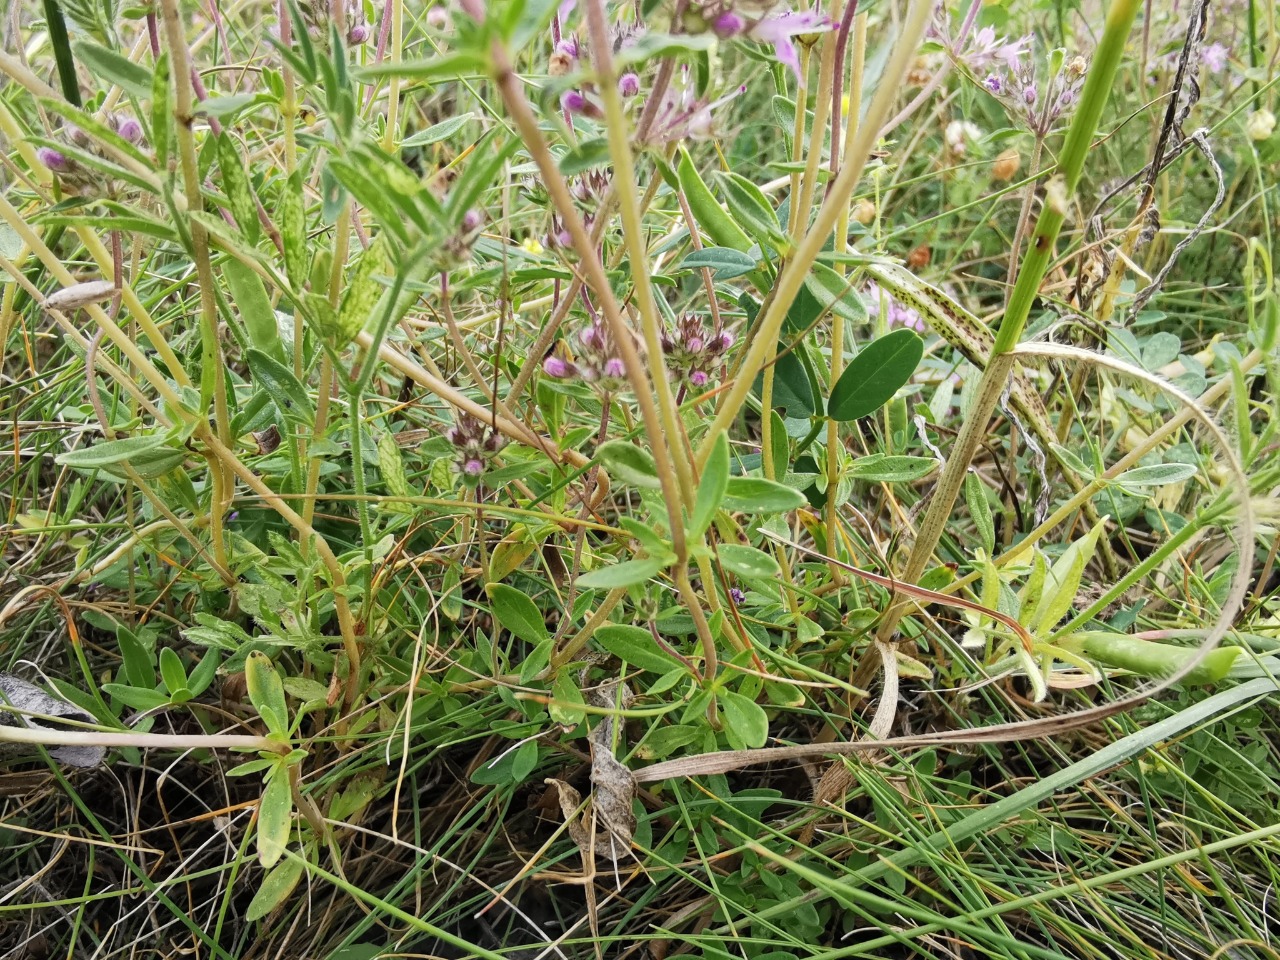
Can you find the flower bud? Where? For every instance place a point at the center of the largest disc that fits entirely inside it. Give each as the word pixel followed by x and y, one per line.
pixel 52 159
pixel 358 34
pixel 1260 125
pixel 864 211
pixel 471 220
pixel 437 16
pixel 473 467
pixel 698 378
pixel 555 367
pixel 628 85
pixel 130 129
pixel 727 24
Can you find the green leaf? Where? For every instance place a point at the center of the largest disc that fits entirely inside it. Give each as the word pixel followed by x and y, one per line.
pixel 274 889
pixel 204 672
pixel 251 766
pixel 517 613
pixel 629 463
pixel 745 720
pixel 628 573
pixel 794 389
pixel 286 391
pixel 275 811
pixel 266 692
pixel 171 670
pixel 291 215
pixel 975 495
pixel 114 68
pixel 1156 475
pixel 711 489
pixel 757 495
pixel 653 544
pixel 877 468
pixel 439 131
pixel 363 291
pixel 588 154
pixel 427 68
pixel 751 209
pixel 139 667
pixel 137 698
pixel 565 689
pixel 533 665
pixel 875 375
pixel 391 466
pixel 1148 658
pixel 834 292
pixel 236 184
pixel 250 297
pixel 747 561
pixel 1063 581
pixel 725 261
pixel 636 646
pixel 161 112
pixel 150 455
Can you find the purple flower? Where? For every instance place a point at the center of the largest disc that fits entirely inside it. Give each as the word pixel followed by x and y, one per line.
pixel 727 24
pixel 53 159
pixel 683 115
pixel 780 28
pixel 896 315
pixel 577 102
pixel 628 85
pixel 555 367
pixel 358 34
pixel 130 129
pixel 471 220
pixel 475 444
pixel 615 368
pixel 993 84
pixel 1215 57
pixel 693 352
pixel 984 49
pixel 736 595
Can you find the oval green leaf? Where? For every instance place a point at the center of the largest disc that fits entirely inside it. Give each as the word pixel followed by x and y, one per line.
pixel 875 375
pixel 629 463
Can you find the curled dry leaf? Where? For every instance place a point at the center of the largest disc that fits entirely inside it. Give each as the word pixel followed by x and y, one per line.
pixel 614 787
pixel 30 699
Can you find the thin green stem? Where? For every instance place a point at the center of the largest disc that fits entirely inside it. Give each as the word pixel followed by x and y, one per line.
pixel 806 252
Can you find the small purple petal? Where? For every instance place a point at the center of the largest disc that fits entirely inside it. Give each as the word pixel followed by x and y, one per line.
pixel 628 85
pixel 358 34
pixel 698 378
pixel 613 367
pixel 471 220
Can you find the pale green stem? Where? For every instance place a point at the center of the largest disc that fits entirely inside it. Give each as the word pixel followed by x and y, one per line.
pixel 624 181
pixel 210 344
pixel 806 252
pixel 1097 88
